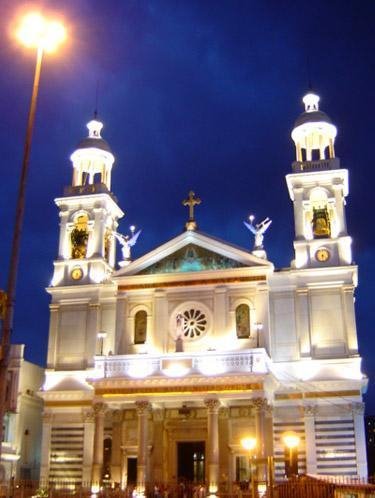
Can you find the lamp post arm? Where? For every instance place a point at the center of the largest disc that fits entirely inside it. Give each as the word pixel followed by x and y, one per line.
pixel 16 242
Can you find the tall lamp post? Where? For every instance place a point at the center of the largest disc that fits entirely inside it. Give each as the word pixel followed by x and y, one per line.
pixel 291 441
pixel 39 33
pixel 249 444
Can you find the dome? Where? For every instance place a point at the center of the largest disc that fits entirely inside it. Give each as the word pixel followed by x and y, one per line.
pixel 94 140
pixel 312 117
pixel 97 143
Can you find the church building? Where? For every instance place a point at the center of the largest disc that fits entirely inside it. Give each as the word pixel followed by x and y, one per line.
pixel 160 367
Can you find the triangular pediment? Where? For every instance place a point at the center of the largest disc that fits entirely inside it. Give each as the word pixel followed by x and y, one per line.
pixel 193 251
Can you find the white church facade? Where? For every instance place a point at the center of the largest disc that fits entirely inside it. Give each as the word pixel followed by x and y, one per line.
pixel 157 370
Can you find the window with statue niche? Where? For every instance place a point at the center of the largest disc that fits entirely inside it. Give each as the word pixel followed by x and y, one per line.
pixel 140 327
pixel 321 215
pixel 243 321
pixel 79 237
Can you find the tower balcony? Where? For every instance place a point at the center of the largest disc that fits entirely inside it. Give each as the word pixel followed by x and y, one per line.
pixel 206 364
pixel 320 165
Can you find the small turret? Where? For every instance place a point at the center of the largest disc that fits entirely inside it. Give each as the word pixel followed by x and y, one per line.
pixel 314 137
pixel 93 159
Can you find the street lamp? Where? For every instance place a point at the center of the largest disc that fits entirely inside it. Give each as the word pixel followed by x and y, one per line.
pixel 101 336
pixel 291 441
pixel 249 444
pixel 37 32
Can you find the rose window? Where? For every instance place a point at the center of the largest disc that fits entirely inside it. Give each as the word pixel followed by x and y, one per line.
pixel 190 321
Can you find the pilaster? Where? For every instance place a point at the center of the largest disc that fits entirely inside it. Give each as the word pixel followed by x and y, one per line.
pixel 97 466
pixel 88 444
pixel 143 408
pixel 116 445
pixel 213 444
pixel 46 445
pixel 309 412
pixel 358 410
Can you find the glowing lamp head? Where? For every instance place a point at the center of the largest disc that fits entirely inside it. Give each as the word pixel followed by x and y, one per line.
pixel 102 335
pixel 35 31
pixel 251 218
pixel 291 440
pixel 248 443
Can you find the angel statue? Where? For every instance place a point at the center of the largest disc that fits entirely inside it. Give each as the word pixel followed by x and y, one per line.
pixel 127 241
pixel 258 230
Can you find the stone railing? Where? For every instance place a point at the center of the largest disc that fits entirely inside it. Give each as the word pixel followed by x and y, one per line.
pixel 320 165
pixel 207 363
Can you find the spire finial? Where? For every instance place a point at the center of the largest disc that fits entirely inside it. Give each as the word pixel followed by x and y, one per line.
pixel 96 100
pixel 191 201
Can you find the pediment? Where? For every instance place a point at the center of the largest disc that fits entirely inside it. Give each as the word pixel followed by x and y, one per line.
pixel 193 251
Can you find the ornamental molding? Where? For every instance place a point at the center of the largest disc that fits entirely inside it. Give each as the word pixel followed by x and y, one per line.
pixel 212 405
pixel 260 404
pixel 142 407
pixel 310 411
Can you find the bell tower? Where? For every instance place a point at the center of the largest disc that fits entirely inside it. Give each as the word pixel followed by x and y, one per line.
pixel 317 188
pixel 88 215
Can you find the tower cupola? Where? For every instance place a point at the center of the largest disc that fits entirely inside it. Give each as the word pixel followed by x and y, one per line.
pixel 93 158
pixel 313 134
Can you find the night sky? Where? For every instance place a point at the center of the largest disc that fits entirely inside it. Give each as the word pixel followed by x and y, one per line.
pixel 195 95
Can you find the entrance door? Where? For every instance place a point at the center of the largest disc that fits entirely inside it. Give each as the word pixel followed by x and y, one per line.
pixel 190 461
pixel 132 471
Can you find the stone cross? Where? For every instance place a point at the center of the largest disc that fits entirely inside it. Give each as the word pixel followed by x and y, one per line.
pixel 192 201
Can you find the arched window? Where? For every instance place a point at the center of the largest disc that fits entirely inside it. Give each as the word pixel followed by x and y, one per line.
pixel 140 327
pixel 79 236
pixel 243 321
pixel 321 222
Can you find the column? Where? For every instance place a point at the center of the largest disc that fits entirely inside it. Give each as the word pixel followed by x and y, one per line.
pixel 97 465
pixel 97 245
pixel 347 293
pixel 340 212
pixel 64 246
pixel 310 445
pixel 213 444
pixel 224 462
pixel 116 445
pixel 298 213
pixel 157 454
pixel 92 329
pixel 303 321
pixel 88 445
pixel 220 311
pixel 161 321
pixel 143 408
pixel 260 405
pixel 358 410
pixel 52 338
pixel 46 446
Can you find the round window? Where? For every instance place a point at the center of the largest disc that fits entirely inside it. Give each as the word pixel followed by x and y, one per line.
pixel 190 321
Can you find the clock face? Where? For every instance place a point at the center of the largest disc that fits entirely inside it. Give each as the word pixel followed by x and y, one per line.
pixel 76 273
pixel 322 255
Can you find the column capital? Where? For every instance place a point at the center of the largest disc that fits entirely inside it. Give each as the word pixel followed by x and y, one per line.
pixel 269 411
pixel 88 415
pixel 99 409
pixel 310 410
pixel 260 404
pixel 142 407
pixel 358 408
pixel 212 405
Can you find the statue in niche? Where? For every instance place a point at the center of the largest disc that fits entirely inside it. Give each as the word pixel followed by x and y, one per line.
pixel 140 327
pixel 79 237
pixel 321 224
pixel 243 321
pixel 179 332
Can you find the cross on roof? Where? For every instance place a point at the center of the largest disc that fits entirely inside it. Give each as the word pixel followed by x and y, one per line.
pixel 191 201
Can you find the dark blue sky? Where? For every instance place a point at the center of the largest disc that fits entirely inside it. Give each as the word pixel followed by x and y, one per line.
pixel 194 95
